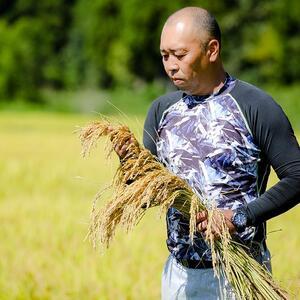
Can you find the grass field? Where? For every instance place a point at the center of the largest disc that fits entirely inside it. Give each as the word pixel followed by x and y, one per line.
pixel 45 199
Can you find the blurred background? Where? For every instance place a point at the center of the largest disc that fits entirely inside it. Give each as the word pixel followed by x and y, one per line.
pixel 76 55
pixel 62 64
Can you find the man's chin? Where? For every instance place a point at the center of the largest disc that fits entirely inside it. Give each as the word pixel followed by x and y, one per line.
pixel 187 88
pixel 180 84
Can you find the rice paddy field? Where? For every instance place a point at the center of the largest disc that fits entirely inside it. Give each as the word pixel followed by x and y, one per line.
pixel 46 193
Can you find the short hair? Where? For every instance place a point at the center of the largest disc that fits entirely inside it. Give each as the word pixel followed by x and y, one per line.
pixel 210 25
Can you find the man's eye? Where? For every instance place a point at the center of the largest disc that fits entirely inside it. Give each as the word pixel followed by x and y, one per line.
pixel 165 57
pixel 180 56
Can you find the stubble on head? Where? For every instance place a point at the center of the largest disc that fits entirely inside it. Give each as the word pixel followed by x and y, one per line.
pixel 198 21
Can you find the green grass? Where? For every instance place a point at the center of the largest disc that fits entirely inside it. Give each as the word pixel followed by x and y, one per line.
pixel 45 199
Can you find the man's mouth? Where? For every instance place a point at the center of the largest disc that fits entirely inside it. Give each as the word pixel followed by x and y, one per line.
pixel 177 80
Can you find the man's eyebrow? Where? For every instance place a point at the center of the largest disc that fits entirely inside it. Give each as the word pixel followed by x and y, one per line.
pixel 173 50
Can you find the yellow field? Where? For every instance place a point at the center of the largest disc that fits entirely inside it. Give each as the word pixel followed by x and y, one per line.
pixel 46 191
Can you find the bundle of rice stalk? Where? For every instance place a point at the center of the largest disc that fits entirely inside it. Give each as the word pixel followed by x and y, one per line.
pixel 142 182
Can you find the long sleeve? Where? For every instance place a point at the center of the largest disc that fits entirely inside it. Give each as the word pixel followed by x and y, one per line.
pixel 279 148
pixel 150 128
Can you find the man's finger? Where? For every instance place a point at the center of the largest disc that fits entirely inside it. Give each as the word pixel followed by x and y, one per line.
pixel 201 216
pixel 216 231
pixel 124 149
pixel 202 226
pixel 118 149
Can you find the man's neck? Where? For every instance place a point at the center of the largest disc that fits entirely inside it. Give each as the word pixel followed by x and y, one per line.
pixel 216 82
pixel 220 80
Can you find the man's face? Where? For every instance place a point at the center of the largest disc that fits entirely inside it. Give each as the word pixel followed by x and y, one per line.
pixel 184 58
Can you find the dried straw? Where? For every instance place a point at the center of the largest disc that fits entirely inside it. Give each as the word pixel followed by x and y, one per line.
pixel 142 182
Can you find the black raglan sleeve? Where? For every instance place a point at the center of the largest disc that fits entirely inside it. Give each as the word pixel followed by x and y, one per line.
pixel 274 135
pixel 150 128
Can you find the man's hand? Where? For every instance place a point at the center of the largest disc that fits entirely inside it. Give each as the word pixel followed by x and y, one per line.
pixel 121 150
pixel 202 221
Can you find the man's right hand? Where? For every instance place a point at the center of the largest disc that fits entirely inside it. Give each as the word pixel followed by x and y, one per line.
pixel 122 150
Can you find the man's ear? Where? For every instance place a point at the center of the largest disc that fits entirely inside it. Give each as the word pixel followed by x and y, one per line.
pixel 213 50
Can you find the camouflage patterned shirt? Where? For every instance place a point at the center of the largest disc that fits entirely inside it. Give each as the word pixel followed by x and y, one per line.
pixel 222 145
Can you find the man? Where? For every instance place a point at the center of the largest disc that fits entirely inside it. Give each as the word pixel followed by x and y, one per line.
pixel 221 135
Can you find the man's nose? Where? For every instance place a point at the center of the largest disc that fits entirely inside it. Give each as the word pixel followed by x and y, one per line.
pixel 172 66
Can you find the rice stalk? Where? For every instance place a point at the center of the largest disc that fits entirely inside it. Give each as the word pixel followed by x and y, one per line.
pixel 142 182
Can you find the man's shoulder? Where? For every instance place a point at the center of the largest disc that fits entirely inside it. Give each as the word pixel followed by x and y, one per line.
pixel 251 94
pixel 162 103
pixel 166 100
pixel 253 100
pixel 154 116
pixel 259 108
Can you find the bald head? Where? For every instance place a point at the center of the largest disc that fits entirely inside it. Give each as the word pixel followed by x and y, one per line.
pixel 202 22
pixel 190 50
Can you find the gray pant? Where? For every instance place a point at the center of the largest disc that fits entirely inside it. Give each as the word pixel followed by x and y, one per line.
pixel 181 283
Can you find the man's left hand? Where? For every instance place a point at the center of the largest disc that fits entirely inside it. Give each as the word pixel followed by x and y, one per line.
pixel 202 221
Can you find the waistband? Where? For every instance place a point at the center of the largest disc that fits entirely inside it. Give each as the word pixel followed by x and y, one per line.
pixel 195 264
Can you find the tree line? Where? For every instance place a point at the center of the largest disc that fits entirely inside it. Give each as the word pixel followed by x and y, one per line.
pixel 69 44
